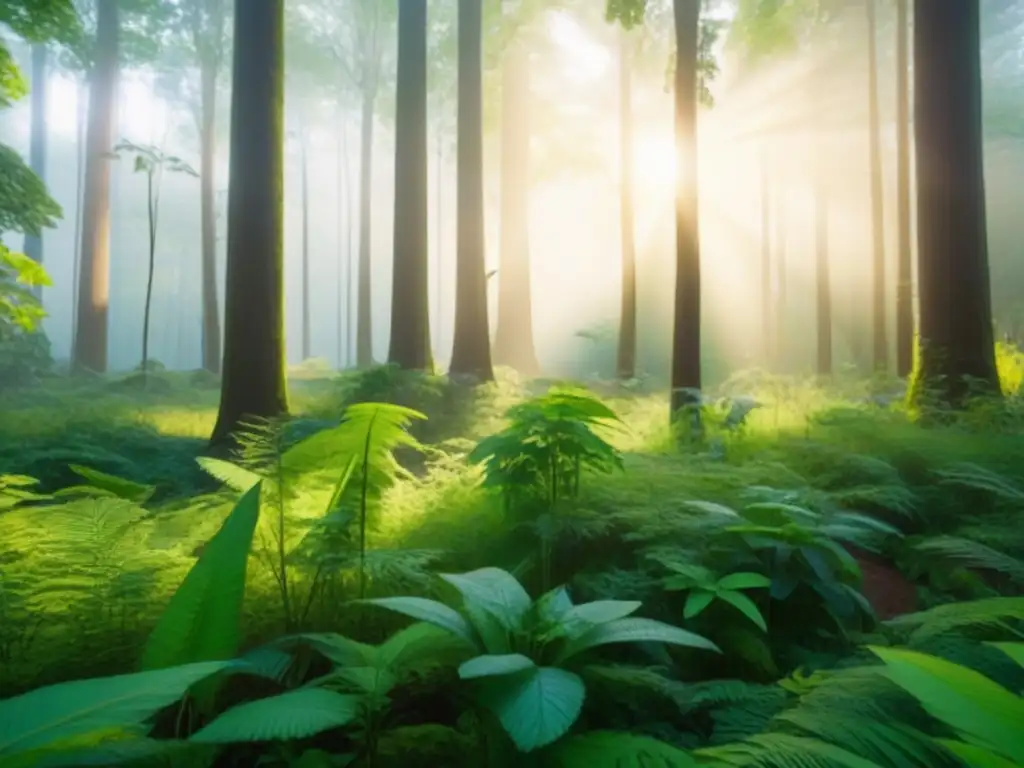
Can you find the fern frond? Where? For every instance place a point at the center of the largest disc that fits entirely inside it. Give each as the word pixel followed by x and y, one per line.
pixel 973 554
pixel 980 615
pixel 781 750
pixel 975 477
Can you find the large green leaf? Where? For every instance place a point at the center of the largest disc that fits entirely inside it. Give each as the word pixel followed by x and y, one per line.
pixel 609 749
pixel 981 711
pixel 581 618
pixel 744 581
pixel 495 591
pixel 696 602
pixel 430 611
pixel 201 622
pixel 536 707
pixel 494 666
pixel 59 713
pixel 293 715
pixel 634 630
pixel 977 757
pixel 1014 650
pixel 744 605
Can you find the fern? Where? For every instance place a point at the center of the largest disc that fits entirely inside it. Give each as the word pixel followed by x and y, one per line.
pixel 978 615
pixel 973 554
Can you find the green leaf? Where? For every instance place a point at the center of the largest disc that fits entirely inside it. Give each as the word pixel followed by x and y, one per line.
pixel 293 715
pixel 115 486
pixel 981 711
pixel 1014 650
pixel 634 630
pixel 495 591
pixel 609 749
pixel 235 477
pixel 536 707
pixel 977 757
pixel 493 666
pixel 736 581
pixel 553 605
pixel 696 602
pixel 430 611
pixel 746 606
pixel 58 713
pixel 201 622
pixel 583 617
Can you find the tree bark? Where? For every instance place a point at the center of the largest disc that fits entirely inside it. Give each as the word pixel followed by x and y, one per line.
pixel 211 340
pixel 880 333
pixel 304 169
pixel 626 359
pixel 90 345
pixel 767 340
pixel 364 301
pixel 37 143
pixel 471 346
pixel 409 347
pixel 513 335
pixel 956 356
pixel 254 384
pixel 904 278
pixel 686 327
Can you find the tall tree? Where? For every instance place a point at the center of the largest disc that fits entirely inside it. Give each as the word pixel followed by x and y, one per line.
pixel 253 383
pixel 904 254
pixel 471 350
pixel 686 327
pixel 513 334
pixel 880 334
pixel 626 358
pixel 767 310
pixel 90 341
pixel 956 356
pixel 37 138
pixel 410 300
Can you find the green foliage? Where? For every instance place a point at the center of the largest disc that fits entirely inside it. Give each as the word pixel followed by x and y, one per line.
pixel 24 356
pixel 523 647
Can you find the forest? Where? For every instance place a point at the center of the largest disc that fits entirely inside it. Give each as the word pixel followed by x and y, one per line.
pixel 493 383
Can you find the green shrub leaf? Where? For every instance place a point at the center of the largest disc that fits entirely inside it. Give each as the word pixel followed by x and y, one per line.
pixel 493 666
pixel 293 715
pixel 537 707
pixel 430 611
pixel 495 591
pixel 634 630
pixel 746 606
pixel 609 749
pixel 736 581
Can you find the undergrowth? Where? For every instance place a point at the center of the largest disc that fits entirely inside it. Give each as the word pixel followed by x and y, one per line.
pixel 716 607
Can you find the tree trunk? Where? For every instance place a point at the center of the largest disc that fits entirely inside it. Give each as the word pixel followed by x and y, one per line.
pixel 409 347
pixel 364 302
pixel 880 334
pixel 767 341
pixel 151 211
pixel 779 346
pixel 904 278
pixel 686 344
pixel 471 346
pixel 304 170
pixel 822 273
pixel 90 347
pixel 439 219
pixel 253 384
pixel 81 112
pixel 37 143
pixel 626 362
pixel 957 352
pixel 211 340
pixel 513 335
pixel 344 234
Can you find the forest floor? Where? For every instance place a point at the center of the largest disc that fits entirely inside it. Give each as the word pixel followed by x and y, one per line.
pixel 83 577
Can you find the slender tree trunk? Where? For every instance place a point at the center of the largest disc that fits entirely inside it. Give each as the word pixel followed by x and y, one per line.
pixel 767 340
pixel 781 283
pixel 686 342
pixel 344 225
pixel 626 362
pixel 151 211
pixel 823 271
pixel 37 143
pixel 957 352
pixel 880 334
pixel 253 384
pixel 304 169
pixel 90 350
pixel 409 347
pixel 211 340
pixel 471 346
pixel 439 216
pixel 513 335
pixel 904 278
pixel 364 320
pixel 81 112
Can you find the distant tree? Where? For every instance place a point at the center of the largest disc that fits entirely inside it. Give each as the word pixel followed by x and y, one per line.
pixel 253 384
pixel 471 352
pixel 904 252
pixel 626 356
pixel 410 311
pixel 879 303
pixel 151 162
pixel 956 356
pixel 37 137
pixel 89 351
